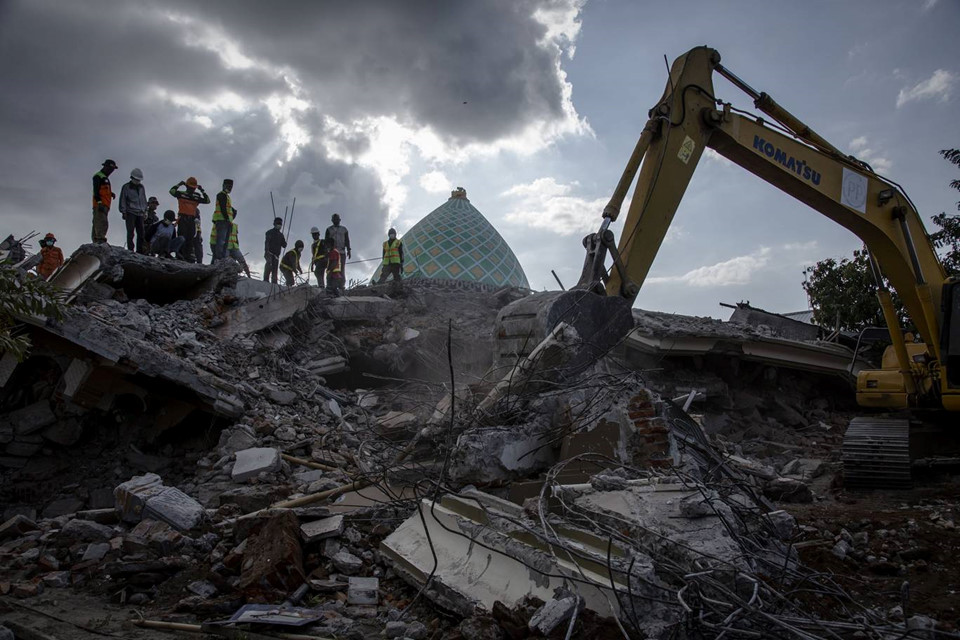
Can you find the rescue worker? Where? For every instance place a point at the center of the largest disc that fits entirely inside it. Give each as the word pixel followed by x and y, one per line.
pixel 222 217
pixel 392 258
pixel 102 197
pixel 232 248
pixel 273 244
pixel 150 224
pixel 187 202
pixel 290 264
pixel 165 240
pixel 198 244
pixel 335 278
pixel 318 256
pixel 51 257
pixel 133 208
pixel 341 239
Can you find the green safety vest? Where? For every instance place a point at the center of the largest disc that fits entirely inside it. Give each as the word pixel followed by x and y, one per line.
pixel 232 241
pixel 219 215
pixel 391 252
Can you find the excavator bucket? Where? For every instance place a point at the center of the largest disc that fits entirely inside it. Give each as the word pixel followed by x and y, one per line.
pixel 601 323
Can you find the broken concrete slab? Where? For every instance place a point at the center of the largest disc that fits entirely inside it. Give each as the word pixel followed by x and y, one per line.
pixel 346 563
pixel 131 496
pixel 77 530
pixel 363 591
pixel 552 614
pixel 31 418
pixel 17 526
pixel 321 529
pixel 252 462
pixel 359 308
pixel 263 313
pixel 175 508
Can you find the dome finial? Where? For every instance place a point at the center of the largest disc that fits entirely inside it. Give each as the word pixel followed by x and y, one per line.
pixel 459 192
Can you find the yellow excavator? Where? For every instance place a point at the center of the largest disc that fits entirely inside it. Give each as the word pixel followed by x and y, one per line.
pixel 785 152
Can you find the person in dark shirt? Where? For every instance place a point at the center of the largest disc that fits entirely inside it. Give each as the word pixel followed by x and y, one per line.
pixel 187 202
pixel 102 197
pixel 273 245
pixel 290 264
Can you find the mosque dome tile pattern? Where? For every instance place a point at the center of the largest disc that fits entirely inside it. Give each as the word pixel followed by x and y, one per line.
pixel 455 242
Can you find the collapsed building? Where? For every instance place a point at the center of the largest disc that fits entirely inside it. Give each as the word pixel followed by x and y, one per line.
pixel 228 457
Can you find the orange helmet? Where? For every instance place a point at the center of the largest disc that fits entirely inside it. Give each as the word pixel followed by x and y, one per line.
pixel 49 236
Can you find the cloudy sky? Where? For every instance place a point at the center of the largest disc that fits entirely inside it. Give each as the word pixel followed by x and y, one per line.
pixel 376 110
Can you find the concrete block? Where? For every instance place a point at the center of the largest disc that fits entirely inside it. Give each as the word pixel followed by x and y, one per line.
pixel 32 418
pixel 363 591
pixel 62 507
pixel 783 523
pixel 64 432
pixel 132 495
pixel 77 530
pixel 552 614
pixel 235 439
pixel 266 312
pixel 16 527
pixel 252 462
pixel 96 551
pixel 321 529
pixel 346 563
pixel 359 308
pixel 175 508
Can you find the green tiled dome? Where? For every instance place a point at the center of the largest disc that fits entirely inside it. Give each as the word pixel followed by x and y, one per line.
pixel 455 242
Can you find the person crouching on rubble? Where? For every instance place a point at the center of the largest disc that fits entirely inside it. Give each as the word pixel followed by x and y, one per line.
pixel 335 277
pixel 273 244
pixel 290 264
pixel 51 257
pixel 165 240
pixel 150 222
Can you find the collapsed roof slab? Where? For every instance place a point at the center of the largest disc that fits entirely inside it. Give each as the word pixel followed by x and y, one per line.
pixel 157 280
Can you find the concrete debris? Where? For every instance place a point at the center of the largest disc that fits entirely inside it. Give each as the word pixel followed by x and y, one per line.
pixel 251 463
pixel 198 445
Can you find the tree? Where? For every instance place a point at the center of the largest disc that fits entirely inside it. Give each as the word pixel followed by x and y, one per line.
pixel 21 295
pixel 843 294
pixel 948 236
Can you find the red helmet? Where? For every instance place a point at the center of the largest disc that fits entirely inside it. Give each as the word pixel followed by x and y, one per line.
pixel 49 236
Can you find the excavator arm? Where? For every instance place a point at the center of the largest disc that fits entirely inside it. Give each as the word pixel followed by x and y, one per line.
pixel 689 119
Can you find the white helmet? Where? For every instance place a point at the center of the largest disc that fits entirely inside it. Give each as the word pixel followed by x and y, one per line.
pixel 136 174
pixel 314 230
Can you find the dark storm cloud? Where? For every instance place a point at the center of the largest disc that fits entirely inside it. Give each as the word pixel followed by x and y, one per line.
pixel 90 79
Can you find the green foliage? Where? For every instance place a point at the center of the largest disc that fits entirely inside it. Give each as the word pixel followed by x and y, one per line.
pixel 21 295
pixel 843 294
pixel 947 238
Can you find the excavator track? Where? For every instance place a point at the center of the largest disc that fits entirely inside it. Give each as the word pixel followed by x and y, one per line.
pixel 876 454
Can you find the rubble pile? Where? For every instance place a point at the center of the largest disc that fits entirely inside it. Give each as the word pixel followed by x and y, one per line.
pixel 230 457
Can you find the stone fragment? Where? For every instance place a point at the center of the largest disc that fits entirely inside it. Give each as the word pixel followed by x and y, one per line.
pixel 64 432
pixel 62 507
pixel 306 477
pixel 363 591
pixel 395 629
pixel 552 614
pixel 416 630
pixel 176 508
pixel 235 439
pixel 202 588
pixel 346 562
pixel 57 579
pixel 32 418
pixel 252 497
pixel 77 530
pixel 280 396
pixel 841 549
pixel 17 526
pixel 6 634
pixel 788 490
pixel 783 523
pixel 320 529
pixel 131 496
pixel 96 551
pixel 27 589
pixel 252 462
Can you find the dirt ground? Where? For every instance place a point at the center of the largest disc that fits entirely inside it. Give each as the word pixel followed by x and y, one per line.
pixel 913 538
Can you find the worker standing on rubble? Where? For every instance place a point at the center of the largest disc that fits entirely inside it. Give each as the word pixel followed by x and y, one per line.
pixel 51 257
pixel 150 224
pixel 133 208
pixel 233 245
pixel 290 264
pixel 273 244
pixel 223 215
pixel 392 258
pixel 102 197
pixel 341 239
pixel 187 202
pixel 335 278
pixel 318 256
pixel 165 240
pixel 198 244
